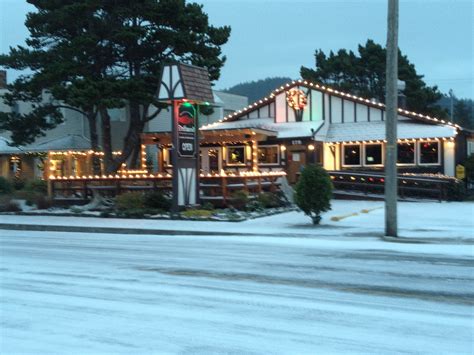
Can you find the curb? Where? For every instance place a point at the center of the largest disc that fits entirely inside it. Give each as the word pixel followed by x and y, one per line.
pixel 110 230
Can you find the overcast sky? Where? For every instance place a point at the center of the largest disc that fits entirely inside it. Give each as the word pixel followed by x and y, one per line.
pixel 276 37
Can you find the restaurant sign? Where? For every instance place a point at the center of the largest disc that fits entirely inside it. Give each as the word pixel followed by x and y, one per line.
pixel 186 127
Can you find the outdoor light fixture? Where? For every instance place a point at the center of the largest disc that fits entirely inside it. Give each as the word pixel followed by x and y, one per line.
pixel 311 147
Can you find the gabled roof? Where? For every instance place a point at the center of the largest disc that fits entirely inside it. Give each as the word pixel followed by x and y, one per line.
pixel 271 98
pixel 5 148
pixel 68 142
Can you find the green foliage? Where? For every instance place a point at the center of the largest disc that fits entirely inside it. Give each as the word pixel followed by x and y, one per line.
pixel 8 205
pixel 95 55
pixel 256 90
pixel 40 186
pixel 199 214
pixel 18 183
pixel 156 200
pixel 5 186
pixel 239 199
pixel 456 191
pixel 463 113
pixel 363 74
pixel 130 201
pixel 208 206
pixel 269 200
pixel 313 192
pixel 469 165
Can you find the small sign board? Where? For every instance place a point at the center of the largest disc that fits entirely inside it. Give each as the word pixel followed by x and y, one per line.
pixel 460 172
pixel 186 130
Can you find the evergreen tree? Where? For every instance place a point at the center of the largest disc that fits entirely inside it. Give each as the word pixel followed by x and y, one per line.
pixel 95 55
pixel 363 74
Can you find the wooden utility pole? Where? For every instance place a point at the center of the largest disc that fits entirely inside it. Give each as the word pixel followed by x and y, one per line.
pixel 391 123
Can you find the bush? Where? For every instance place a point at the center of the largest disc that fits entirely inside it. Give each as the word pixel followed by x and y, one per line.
pixel 239 199
pixel 208 206
pixel 197 213
pixel 18 183
pixel 130 201
pixel 456 191
pixel 5 186
pixel 40 186
pixel 313 192
pixel 269 200
pixel 157 200
pixel 7 205
pixel 42 202
pixel 469 165
pixel 132 213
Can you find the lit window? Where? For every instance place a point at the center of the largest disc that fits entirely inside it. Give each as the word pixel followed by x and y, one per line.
pixel 429 152
pixel 268 154
pixel 236 155
pixel 373 154
pixel 406 153
pixel 351 154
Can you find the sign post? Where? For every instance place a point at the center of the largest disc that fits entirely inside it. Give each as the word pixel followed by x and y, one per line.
pixel 185 87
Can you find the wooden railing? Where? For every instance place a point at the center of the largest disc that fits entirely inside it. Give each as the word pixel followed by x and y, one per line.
pixel 408 185
pixel 214 188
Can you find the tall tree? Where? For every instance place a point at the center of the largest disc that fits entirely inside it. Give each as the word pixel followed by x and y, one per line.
pixel 363 74
pixel 103 54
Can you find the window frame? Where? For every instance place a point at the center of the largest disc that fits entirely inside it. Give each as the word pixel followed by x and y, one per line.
pixel 228 148
pixel 415 154
pixel 419 153
pixel 278 154
pixel 382 155
pixel 343 160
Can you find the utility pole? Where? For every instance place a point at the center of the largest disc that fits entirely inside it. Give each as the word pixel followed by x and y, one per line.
pixel 391 123
pixel 451 108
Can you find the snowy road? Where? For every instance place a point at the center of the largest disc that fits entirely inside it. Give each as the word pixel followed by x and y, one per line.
pixel 94 294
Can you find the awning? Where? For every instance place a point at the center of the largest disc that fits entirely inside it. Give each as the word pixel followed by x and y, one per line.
pixel 7 149
pixel 69 142
pixel 365 131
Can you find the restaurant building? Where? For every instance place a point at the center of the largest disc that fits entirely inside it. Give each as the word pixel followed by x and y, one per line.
pixel 302 123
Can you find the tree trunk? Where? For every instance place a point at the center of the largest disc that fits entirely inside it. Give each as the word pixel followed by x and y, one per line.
pixel 110 165
pixel 94 138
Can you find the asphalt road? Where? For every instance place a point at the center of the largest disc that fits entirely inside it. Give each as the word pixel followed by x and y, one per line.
pixel 82 293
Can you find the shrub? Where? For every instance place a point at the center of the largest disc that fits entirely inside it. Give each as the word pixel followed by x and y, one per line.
pixel 208 206
pixel 456 191
pixel 157 200
pixel 7 205
pixel 5 186
pixel 129 201
pixel 132 213
pixel 269 200
pixel 40 186
pixel 42 202
pixel 18 183
pixel 313 192
pixel 239 199
pixel 197 213
pixel 469 165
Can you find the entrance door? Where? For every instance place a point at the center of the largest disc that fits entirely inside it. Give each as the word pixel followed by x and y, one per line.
pixel 296 160
pixel 210 160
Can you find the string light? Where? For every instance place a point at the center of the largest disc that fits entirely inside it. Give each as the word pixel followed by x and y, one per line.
pixel 323 88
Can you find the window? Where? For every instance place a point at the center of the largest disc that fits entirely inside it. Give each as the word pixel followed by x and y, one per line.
pixel 373 154
pixel 406 153
pixel 428 153
pixel 351 153
pixel 268 155
pixel 236 155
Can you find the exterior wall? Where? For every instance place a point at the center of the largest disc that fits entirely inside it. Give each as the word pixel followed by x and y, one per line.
pixel 449 157
pixel 331 161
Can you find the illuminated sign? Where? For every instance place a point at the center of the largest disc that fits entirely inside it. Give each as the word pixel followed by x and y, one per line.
pixel 186 130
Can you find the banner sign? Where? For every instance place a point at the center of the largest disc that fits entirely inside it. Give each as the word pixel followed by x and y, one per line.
pixel 186 127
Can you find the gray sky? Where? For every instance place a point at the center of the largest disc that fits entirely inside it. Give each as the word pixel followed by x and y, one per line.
pixel 274 38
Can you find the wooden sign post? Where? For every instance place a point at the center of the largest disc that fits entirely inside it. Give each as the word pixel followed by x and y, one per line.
pixel 185 87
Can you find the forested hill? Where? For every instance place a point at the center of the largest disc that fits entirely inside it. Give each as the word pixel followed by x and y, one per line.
pixel 255 90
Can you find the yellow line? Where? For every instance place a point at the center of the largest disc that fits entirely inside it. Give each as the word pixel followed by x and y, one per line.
pixel 367 210
pixel 338 218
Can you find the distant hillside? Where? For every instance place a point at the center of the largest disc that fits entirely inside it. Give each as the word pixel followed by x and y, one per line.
pixel 256 90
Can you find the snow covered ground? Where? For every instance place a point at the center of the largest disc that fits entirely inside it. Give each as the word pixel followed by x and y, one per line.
pixel 443 222
pixel 293 289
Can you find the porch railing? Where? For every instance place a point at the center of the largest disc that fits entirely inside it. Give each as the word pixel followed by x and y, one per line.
pixel 408 185
pixel 214 188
